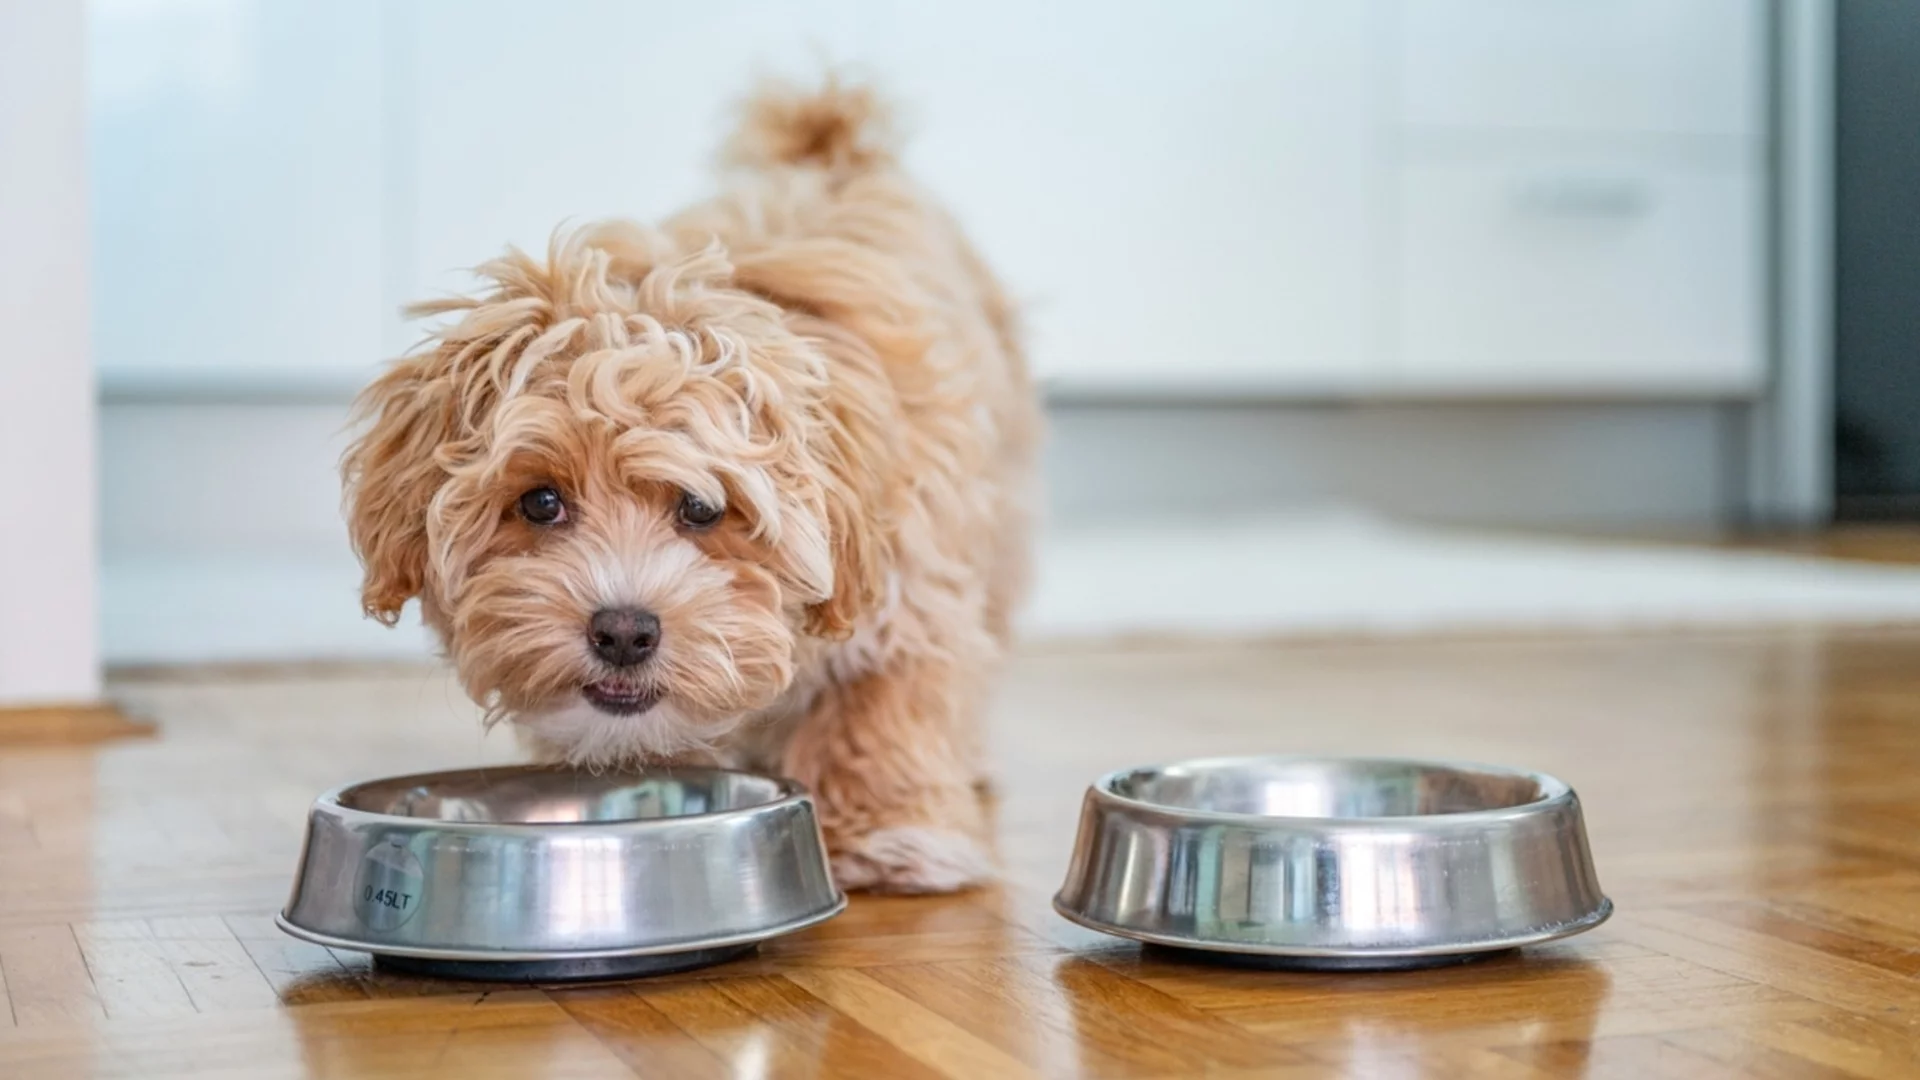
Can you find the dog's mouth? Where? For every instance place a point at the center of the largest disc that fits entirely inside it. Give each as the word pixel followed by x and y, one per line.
pixel 620 697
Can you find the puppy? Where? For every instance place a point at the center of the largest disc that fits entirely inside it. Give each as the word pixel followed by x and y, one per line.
pixel 751 486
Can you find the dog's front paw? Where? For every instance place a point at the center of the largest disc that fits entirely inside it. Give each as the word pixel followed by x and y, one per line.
pixel 911 859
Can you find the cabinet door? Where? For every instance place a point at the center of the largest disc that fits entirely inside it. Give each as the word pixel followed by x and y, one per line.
pixel 1183 197
pixel 1536 271
pixel 1185 193
pixel 1640 67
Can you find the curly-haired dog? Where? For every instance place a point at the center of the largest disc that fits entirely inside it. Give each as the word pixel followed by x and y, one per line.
pixel 752 485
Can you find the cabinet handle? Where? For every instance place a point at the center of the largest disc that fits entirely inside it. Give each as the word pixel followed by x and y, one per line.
pixel 1584 197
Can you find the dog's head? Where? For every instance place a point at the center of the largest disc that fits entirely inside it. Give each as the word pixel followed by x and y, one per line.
pixel 623 488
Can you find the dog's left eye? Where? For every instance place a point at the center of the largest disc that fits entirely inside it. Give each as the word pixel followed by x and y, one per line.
pixel 543 506
pixel 697 513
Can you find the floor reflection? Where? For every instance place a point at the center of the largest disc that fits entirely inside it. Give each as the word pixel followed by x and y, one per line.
pixel 496 1033
pixel 1374 1024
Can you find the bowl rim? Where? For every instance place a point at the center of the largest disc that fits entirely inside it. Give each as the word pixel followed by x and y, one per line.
pixel 789 792
pixel 1553 790
pixel 1600 913
pixel 285 922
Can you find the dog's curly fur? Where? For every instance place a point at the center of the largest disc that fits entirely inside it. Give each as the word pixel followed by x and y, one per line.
pixel 819 352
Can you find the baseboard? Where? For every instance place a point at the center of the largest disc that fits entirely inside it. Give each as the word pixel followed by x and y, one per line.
pixel 57 725
pixel 251 609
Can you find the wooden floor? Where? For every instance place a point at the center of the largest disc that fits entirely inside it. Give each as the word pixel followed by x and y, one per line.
pixel 1754 803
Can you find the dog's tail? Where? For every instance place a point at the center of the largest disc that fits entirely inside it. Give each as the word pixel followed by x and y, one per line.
pixel 838 126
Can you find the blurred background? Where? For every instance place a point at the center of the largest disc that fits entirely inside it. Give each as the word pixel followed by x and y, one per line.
pixel 1348 314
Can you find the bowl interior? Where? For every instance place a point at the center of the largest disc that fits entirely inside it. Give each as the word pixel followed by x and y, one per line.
pixel 551 796
pixel 1336 788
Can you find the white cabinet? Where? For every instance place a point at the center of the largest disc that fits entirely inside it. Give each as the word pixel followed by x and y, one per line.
pixel 1597 273
pixel 1547 67
pixel 1291 197
pixel 1579 198
pixel 1186 195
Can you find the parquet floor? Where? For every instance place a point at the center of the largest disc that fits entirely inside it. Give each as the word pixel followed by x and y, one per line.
pixel 1754 803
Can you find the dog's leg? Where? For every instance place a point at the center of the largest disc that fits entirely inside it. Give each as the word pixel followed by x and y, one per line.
pixel 893 783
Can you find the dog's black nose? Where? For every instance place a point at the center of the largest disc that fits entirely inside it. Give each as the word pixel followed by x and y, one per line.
pixel 623 636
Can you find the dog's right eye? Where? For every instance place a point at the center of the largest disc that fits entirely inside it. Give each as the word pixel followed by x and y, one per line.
pixel 543 506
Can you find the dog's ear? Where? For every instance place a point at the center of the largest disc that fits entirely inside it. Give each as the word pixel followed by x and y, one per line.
pixel 860 486
pixel 390 473
pixel 858 308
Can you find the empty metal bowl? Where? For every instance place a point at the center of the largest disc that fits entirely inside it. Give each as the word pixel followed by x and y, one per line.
pixel 541 873
pixel 1333 863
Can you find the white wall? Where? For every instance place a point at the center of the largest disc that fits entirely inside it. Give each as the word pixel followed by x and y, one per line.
pixel 47 645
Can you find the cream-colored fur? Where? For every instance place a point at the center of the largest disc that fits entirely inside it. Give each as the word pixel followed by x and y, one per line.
pixel 818 351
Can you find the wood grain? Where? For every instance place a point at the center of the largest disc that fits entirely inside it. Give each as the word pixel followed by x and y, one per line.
pixel 1751 798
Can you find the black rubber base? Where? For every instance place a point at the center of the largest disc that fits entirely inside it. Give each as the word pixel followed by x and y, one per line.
pixel 596 969
pixel 1318 963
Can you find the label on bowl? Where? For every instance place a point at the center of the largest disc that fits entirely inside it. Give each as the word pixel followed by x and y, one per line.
pixel 387 891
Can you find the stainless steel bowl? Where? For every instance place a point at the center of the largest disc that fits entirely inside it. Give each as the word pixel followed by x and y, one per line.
pixel 1343 863
pixel 547 873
